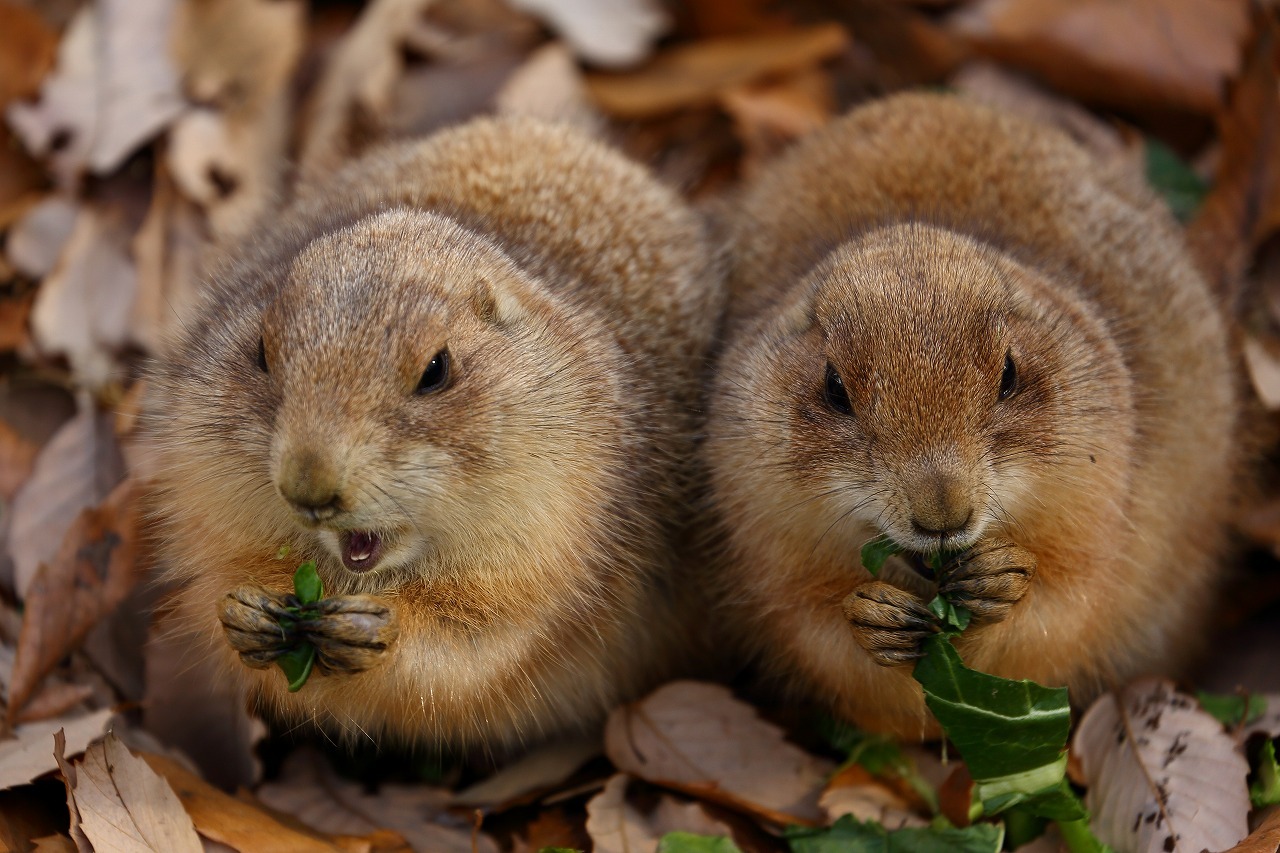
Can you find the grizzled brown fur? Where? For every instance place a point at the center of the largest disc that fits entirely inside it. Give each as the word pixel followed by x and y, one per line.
pixel 527 509
pixel 1027 369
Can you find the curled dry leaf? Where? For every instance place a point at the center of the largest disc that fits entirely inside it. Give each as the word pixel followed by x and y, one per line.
pixel 698 737
pixel 1140 53
pixel 695 75
pixel 37 240
pixel 238 822
pixel 1162 774
pixel 75 470
pixel 17 460
pixel 610 33
pixel 92 573
pixel 29 753
pixel 1265 838
pixel 855 791
pixel 616 826
pixel 549 86
pixel 533 773
pixel 126 806
pixel 309 790
pixel 768 117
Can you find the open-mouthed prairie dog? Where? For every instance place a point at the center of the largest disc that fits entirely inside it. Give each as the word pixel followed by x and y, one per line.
pixel 951 327
pixel 463 377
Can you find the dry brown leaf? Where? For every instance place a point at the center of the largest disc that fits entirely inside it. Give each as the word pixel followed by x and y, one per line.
pixel 354 96
pixel 550 86
pixel 616 826
pixel 767 118
pixel 1244 206
pixel 29 754
pixel 552 828
pixel 168 249
pixel 310 791
pixel 38 239
pixel 1143 53
pixel 91 573
pixel 27 49
pixel 608 33
pixel 1265 838
pixel 672 815
pixel 531 774
pixel 53 844
pixel 75 470
pixel 125 806
pixel 14 316
pixel 54 700
pixel 855 791
pixel 695 75
pixel 1162 774
pixel 233 821
pixel 698 736
pixel 17 460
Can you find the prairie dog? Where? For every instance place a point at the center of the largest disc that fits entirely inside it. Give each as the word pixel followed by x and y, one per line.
pixel 462 376
pixel 952 327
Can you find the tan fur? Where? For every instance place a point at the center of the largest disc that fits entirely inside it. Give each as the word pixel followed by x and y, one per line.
pixel 530 506
pixel 912 244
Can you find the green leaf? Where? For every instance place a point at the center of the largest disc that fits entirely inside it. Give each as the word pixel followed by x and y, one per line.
pixel 1001 727
pixel 687 842
pixel 1233 709
pixel 1080 839
pixel 1265 790
pixel 306 583
pixel 848 835
pixel 954 618
pixel 877 552
pixel 1182 189
pixel 297 664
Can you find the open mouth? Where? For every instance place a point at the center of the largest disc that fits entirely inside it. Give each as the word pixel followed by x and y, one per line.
pixel 361 550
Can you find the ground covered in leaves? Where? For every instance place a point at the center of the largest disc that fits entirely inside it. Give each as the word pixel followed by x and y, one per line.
pixel 137 134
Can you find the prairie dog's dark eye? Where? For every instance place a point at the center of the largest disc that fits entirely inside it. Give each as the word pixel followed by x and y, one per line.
pixel 262 355
pixel 837 396
pixel 1009 378
pixel 436 374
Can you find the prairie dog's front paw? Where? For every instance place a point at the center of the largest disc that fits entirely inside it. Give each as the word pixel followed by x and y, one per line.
pixel 888 622
pixel 350 633
pixel 989 578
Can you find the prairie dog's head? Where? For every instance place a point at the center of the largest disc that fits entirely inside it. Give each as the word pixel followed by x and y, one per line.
pixel 401 398
pixel 920 384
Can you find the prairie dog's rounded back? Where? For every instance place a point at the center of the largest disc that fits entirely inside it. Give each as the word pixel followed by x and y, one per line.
pixel 953 327
pixel 461 376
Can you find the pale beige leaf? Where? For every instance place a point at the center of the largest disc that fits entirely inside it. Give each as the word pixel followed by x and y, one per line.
pixel 609 33
pixel 615 826
pixel 125 806
pixel 36 241
pixel 310 791
pixel 693 733
pixel 536 771
pixel 84 308
pixel 1264 371
pixel 168 250
pixel 855 791
pixel 1162 775
pixel 75 470
pixel 672 815
pixel 549 86
pixel 29 753
pixel 138 86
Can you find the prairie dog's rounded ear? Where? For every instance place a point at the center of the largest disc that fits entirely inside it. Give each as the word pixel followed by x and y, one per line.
pixel 497 302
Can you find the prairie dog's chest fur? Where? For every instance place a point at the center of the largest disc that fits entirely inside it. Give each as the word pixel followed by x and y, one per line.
pixel 461 375
pixel 952 327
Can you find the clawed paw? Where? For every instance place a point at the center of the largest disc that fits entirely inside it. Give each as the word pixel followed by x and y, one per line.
pixel 350 633
pixel 989 578
pixel 888 622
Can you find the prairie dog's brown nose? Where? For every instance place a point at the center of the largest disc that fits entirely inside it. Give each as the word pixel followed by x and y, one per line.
pixel 941 505
pixel 310 483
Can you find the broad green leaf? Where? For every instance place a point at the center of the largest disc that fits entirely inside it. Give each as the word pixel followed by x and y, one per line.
pixel 848 835
pixel 297 664
pixel 687 842
pixel 877 552
pixel 1232 709
pixel 306 583
pixel 1080 839
pixel 1182 189
pixel 953 617
pixel 1001 727
pixel 1265 790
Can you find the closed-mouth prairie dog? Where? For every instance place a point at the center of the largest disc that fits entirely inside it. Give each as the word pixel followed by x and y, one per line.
pixel 462 377
pixel 953 328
